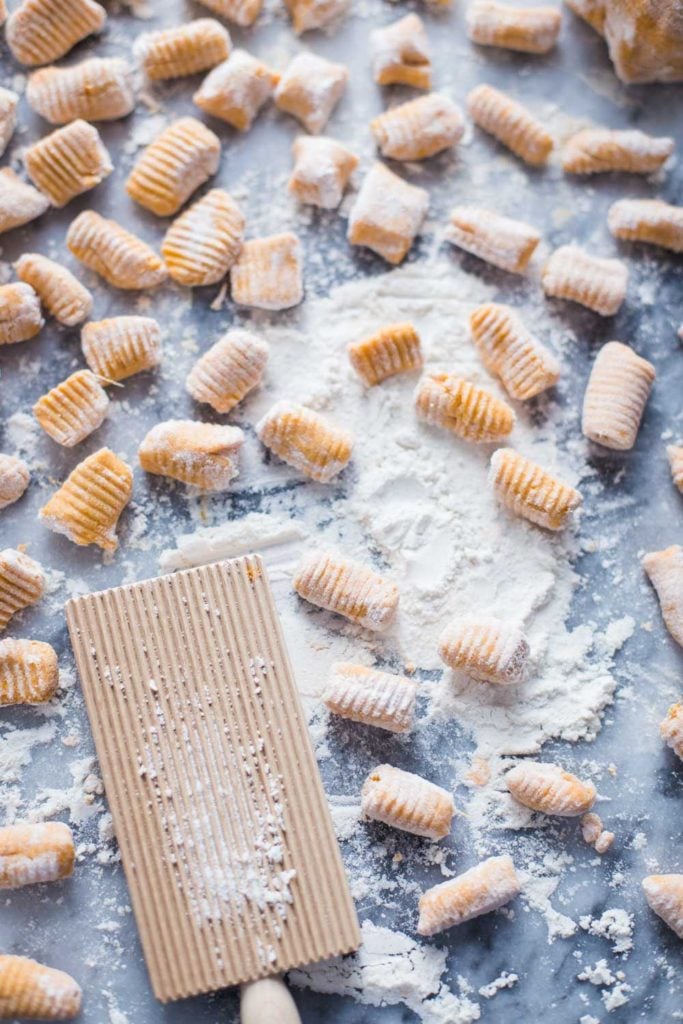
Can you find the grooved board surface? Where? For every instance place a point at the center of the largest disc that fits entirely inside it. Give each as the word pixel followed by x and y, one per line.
pixel 225 835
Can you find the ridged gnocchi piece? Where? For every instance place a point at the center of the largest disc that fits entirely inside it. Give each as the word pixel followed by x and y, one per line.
pixel 675 456
pixel 548 788
pixel 205 240
pixel 20 202
pixel 374 698
pixel 22 583
pixel 33 854
pixel 117 255
pixel 525 29
pixel 419 128
pixel 510 123
pixel 647 220
pixel 407 802
pixel 87 506
pixel 8 116
pixel 62 294
pixel 181 158
pixel 242 12
pixel 471 412
pixel 486 648
pixel 393 349
pixel 348 588
pixel 305 440
pixel 615 399
pixel 68 162
pixel 29 989
pixel 401 53
pixel 182 50
pixel 267 273
pixel 40 31
pixel 665 572
pixel 322 168
pixel 236 90
pixel 509 351
pixel 603 150
pixel 387 214
pixel 98 89
pixel 204 455
pixel 228 371
pixel 72 410
pixel 310 14
pixel 664 895
pixel 14 479
pixel 526 489
pixel 20 315
pixel 671 729
pixel 503 242
pixel 121 346
pixel 596 283
pixel 310 89
pixel 484 888
pixel 29 674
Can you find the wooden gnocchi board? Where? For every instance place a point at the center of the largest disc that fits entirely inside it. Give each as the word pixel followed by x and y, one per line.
pixel 224 830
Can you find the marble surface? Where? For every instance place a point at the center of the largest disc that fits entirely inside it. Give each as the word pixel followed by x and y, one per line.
pixel 84 926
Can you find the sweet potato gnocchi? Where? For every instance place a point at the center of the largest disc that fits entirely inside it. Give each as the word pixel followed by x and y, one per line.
pixel 549 789
pixel 98 89
pixel 228 371
pixel 486 648
pixel 527 490
pixel 29 674
pixel 387 214
pixel 205 240
pixel 20 202
pixel 481 890
pixel 596 283
pixel 310 89
pixel 242 12
pixel 419 128
pixel 526 29
pixel 182 50
pixel 117 348
pixel 372 697
pixel 647 220
pixel 68 162
pixel 401 54
pixel 117 255
pixel 509 351
pixel 503 242
pixel 22 583
pixel 236 90
pixel 322 168
pixel 665 572
pixel 311 14
pixel 8 116
pixel 671 729
pixel 305 440
pixel 510 123
pixel 348 588
pixel 267 273
pixel 615 399
pixel 14 479
pixel 29 989
pixel 604 150
pixel 471 412
pixel 407 802
pixel 181 158
pixel 204 455
pixel 664 895
pixel 674 454
pixel 40 31
pixel 72 410
pixel 391 350
pixel 33 854
pixel 62 294
pixel 20 314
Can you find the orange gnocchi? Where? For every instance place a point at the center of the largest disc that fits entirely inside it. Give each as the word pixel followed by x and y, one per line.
pixel 527 490
pixel 401 54
pixel 507 349
pixel 418 129
pixel 20 315
pixel 8 116
pixel 117 255
pixel 603 150
pixel 665 572
pixel 387 214
pixel 407 802
pixel 20 202
pixel 236 90
pixel 615 399
pixel 22 583
pixel 204 455
pixel 322 168
pixel 503 242
pixel 311 14
pixel 647 220
pixel 62 294
pixel 510 123
pixel 68 162
pixel 596 283
pixel 14 479
pixel 182 50
pixel 29 674
pixel 181 158
pixel 305 440
pixel 481 890
pixel 671 729
pixel 310 89
pixel 228 371
pixel 372 697
pixel 664 895
pixel 40 31
pixel 486 648
pixel 392 350
pixel 525 29
pixel 34 854
pixel 72 410
pixel 98 89
pixel 203 242
pixel 348 588
pixel 267 273
pixel 242 12
pixel 471 412
pixel 29 989
pixel 549 789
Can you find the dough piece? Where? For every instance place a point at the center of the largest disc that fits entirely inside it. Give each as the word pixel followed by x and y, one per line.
pixel 486 649
pixel 203 243
pixel 374 698
pixel 503 242
pixel 32 854
pixel 418 129
pixel 599 284
pixel 401 54
pixel 20 315
pixel 529 491
pixel 180 159
pixel 20 203
pixel 665 572
pixel 268 273
pixel 482 889
pixel 671 729
pixel 526 29
pixel 118 256
pixel 470 412
pixel 387 214
pixel 509 351
pixel 664 895
pixel 62 294
pixel 87 506
pixel 311 14
pixel 510 123
pixel 98 89
pixel 72 410
pixel 322 168
pixel 346 587
pixel 22 583
pixel 14 479
pixel 242 12
pixel 392 350
pixel 29 989
pixel 182 50
pixel 310 89
pixel 8 116
pixel 602 150
pixel 40 31
pixel 615 399
pixel 204 455
pixel 230 369
pixel 305 440
pixel 29 674
pixel 236 90
pixel 68 162
pixel 548 788
pixel 407 802
pixel 647 220
pixel 675 456
pixel 122 346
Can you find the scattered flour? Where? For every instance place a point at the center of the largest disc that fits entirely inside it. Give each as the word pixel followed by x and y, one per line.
pixel 615 925
pixel 498 984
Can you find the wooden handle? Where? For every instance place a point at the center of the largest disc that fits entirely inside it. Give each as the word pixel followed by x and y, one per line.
pixel 267 1002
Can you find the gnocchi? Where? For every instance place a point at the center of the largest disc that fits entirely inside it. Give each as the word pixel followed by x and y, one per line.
pixel 62 294
pixel 401 54
pixel 305 440
pixel 68 162
pixel 510 123
pixel 387 214
pixel 322 168
pixel 418 129
pixel 182 50
pixel 372 697
pixel 527 490
pixel 8 116
pixel 20 315
pixel 98 89
pixel 665 572
pixel 40 31
pixel 484 888
pixel 675 455
pixel 310 14
pixel 486 648
pixel 181 158
pixel 603 150
pixel 86 508
pixel 391 350
pixel 228 371
pixel 550 789
pixel 617 392
pixel 267 273
pixel 20 202
pixel 310 89
pixel 664 895
pixel 526 29
pixel 72 410
pixel 407 802
pixel 121 346
pixel 29 674
pixel 14 479
pixel 205 240
pixel 29 989
pixel 503 242
pixel 509 351
pixel 348 588
pixel 647 220
pixel 671 729
pixel 596 283
pixel 117 255
pixel 33 854
pixel 204 455
pixel 242 12
pixel 22 583
pixel 471 412
pixel 236 90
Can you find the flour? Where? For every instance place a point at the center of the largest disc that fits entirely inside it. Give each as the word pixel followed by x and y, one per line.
pixel 615 925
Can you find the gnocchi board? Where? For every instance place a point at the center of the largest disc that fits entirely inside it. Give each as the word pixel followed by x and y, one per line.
pixel 218 807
